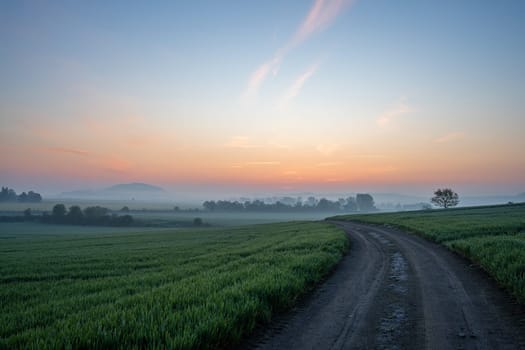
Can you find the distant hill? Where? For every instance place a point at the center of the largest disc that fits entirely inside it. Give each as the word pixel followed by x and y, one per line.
pixel 134 187
pixel 127 191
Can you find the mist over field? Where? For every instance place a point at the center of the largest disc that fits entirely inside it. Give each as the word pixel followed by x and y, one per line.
pixel 196 195
pixel 328 174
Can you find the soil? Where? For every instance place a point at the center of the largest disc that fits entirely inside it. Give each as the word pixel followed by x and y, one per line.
pixel 394 290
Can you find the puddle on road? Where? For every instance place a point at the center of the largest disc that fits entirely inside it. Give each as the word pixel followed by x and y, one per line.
pixel 391 325
pixel 398 268
pixel 380 238
pixel 398 273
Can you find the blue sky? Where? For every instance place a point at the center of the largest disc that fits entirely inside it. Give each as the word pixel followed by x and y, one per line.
pixel 296 94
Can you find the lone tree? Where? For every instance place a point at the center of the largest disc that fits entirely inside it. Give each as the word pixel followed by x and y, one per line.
pixel 445 198
pixel 365 202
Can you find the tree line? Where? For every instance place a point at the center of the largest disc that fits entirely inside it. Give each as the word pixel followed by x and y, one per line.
pixel 362 202
pixel 95 215
pixel 9 195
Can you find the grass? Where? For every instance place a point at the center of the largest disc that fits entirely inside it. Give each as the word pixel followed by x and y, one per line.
pixel 225 219
pixel 503 257
pixel 491 236
pixel 198 288
pixel 18 230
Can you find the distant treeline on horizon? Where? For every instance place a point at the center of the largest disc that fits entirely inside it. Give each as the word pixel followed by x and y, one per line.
pixel 9 195
pixel 361 202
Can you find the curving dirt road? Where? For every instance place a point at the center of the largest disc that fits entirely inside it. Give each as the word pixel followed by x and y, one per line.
pixel 398 291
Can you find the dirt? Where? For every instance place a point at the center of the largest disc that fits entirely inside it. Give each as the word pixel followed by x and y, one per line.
pixel 394 290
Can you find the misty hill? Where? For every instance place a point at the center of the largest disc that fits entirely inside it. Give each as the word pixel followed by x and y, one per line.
pixel 128 191
pixel 134 187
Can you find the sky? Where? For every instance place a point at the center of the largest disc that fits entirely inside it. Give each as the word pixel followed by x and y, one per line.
pixel 276 96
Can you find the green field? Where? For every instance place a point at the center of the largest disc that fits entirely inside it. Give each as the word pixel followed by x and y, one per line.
pixel 224 218
pixel 192 288
pixel 493 237
pixel 16 230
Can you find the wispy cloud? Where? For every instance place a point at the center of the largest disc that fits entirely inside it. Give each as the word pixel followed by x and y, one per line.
pixel 245 142
pixel 240 142
pixel 298 84
pixel 74 151
pixel 328 164
pixel 138 140
pixel 322 13
pixel 382 169
pixel 116 165
pixel 278 145
pixel 255 164
pixel 394 112
pixel 451 136
pixel 334 179
pixel 328 149
pixel 366 155
pixel 260 74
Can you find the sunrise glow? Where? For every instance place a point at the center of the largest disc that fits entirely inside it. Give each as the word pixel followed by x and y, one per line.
pixel 281 95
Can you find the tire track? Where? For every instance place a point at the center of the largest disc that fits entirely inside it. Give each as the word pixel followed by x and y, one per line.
pixel 394 290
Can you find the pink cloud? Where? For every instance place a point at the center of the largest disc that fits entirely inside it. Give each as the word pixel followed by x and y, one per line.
pixel 298 83
pixel 263 163
pixel 322 13
pixel 77 152
pixel 260 74
pixel 328 149
pixel 452 136
pixel 240 142
pixel 395 112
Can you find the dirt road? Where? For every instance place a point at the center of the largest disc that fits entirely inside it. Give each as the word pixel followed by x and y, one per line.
pixel 394 290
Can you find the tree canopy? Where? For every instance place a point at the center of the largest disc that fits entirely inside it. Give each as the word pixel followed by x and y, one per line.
pixel 445 198
pixel 362 202
pixel 9 195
